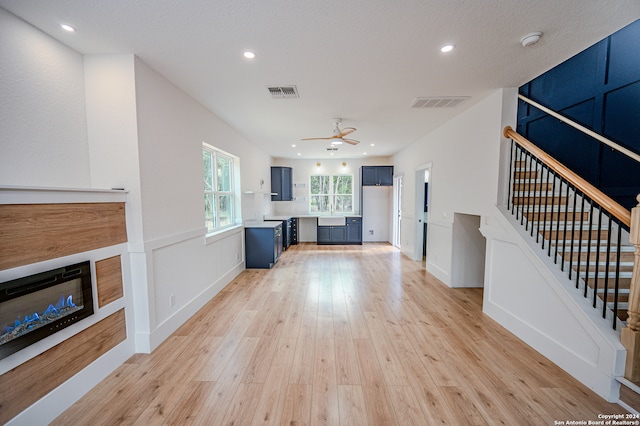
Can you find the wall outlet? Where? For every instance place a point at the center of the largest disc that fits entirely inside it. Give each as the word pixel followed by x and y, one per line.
pixel 370 231
pixel 172 300
pixel 238 256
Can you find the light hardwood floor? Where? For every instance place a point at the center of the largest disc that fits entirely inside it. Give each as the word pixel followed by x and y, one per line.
pixel 342 335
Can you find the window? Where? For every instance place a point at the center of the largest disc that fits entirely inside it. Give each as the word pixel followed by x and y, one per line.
pixel 331 193
pixel 219 196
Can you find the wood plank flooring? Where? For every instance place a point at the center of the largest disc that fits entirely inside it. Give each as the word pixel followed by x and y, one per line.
pixel 339 335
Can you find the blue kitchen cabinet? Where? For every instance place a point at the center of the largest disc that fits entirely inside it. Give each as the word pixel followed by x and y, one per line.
pixel 263 245
pixel 354 230
pixel 376 175
pixel 350 233
pixel 281 184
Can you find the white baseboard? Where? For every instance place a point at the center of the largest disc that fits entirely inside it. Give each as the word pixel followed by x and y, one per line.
pixel 439 273
pixel 151 341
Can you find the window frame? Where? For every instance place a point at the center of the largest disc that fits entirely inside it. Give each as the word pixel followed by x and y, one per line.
pixel 331 194
pixel 215 192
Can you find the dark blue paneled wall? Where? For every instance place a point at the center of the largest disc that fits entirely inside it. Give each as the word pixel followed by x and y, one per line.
pixel 600 89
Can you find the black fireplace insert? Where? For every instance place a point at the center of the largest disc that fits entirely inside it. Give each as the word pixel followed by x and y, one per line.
pixel 36 306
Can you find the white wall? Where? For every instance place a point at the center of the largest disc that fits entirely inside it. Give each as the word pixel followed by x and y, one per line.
pixel 377 203
pixel 522 292
pixel 113 131
pixel 175 259
pixel 44 143
pixel 465 155
pixel 43 132
pixel 106 121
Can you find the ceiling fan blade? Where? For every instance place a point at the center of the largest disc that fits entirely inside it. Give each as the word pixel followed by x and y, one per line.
pixel 351 141
pixel 346 131
pixel 318 139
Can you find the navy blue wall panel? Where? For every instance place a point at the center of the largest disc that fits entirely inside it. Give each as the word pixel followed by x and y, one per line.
pixel 600 89
pixel 624 57
pixel 622 116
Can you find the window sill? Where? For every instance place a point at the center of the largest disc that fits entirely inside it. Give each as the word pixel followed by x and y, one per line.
pixel 215 236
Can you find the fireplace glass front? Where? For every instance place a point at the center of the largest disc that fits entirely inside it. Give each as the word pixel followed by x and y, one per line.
pixel 34 307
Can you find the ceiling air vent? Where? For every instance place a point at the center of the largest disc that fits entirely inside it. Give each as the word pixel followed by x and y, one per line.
pixel 439 102
pixel 283 92
pixel 332 148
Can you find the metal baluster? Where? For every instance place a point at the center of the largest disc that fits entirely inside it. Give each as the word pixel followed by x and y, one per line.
pixel 546 206
pixel 595 277
pixel 573 231
pixel 581 236
pixel 555 256
pixel 512 180
pixel 528 175
pixel 586 278
pixel 617 284
pixel 520 209
pixel 539 203
pixel 553 195
pixel 564 237
pixel 606 269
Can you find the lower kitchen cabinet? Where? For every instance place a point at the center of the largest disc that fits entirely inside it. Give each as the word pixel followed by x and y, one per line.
pixel 351 233
pixel 287 232
pixel 294 230
pixel 354 230
pixel 324 234
pixel 263 246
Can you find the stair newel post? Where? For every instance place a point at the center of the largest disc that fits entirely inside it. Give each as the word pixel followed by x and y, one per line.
pixel 631 333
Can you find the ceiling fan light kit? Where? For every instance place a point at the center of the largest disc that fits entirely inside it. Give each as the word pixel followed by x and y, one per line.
pixel 338 135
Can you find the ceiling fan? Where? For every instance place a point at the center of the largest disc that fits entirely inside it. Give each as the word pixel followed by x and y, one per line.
pixel 338 135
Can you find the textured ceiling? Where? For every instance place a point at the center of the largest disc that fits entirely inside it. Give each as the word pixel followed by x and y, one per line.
pixel 362 60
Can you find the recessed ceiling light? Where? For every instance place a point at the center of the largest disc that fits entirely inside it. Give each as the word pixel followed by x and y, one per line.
pixel 299 153
pixel 373 144
pixel 293 145
pixel 68 28
pixel 249 55
pixel 364 153
pixel 447 48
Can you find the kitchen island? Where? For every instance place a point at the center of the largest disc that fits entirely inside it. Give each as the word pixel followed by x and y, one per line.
pixel 263 244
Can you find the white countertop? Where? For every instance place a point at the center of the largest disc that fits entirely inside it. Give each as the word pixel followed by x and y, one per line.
pixel 309 215
pixel 260 224
pixel 278 217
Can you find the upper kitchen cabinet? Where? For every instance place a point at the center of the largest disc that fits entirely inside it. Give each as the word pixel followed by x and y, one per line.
pixel 281 184
pixel 376 175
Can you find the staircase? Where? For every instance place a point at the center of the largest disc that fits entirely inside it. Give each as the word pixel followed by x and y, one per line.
pixel 589 236
pixel 583 239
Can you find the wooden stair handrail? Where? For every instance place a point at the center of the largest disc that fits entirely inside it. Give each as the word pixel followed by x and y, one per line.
pixel 622 214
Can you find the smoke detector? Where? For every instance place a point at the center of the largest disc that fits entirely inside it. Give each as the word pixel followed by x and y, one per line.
pixel 531 39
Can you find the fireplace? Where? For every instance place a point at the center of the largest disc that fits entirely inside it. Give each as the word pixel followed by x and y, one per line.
pixel 34 307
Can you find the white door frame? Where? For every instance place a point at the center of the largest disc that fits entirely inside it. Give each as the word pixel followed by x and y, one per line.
pixel 397 210
pixel 419 208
